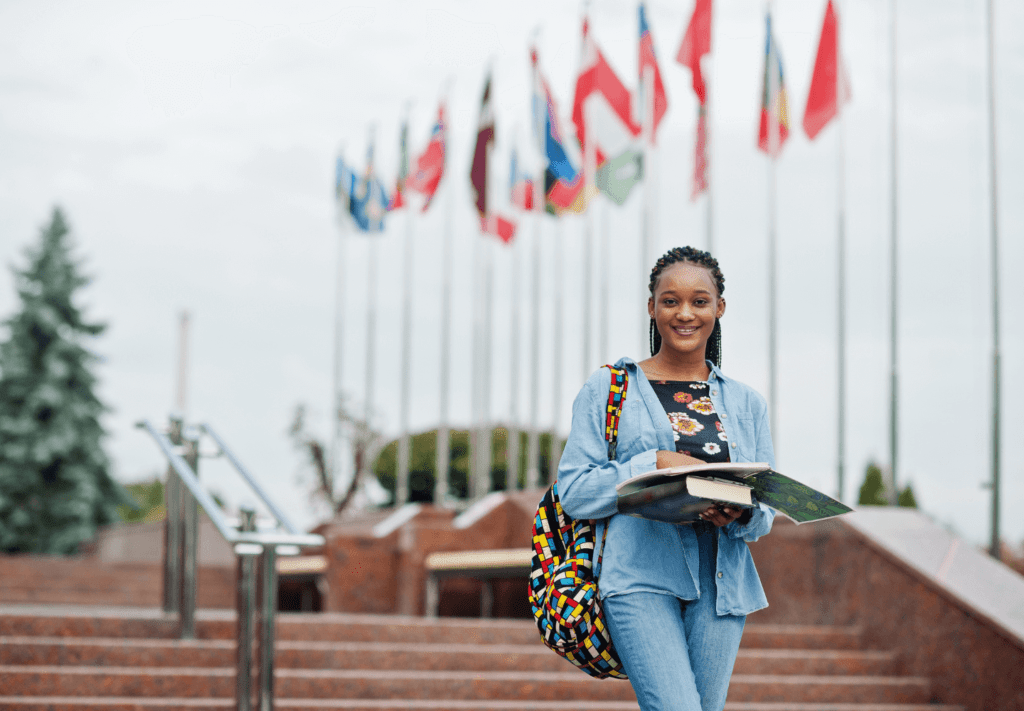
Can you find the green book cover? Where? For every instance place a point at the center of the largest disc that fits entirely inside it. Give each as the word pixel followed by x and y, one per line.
pixel 798 501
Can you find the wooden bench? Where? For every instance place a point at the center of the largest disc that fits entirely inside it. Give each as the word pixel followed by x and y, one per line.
pixel 479 565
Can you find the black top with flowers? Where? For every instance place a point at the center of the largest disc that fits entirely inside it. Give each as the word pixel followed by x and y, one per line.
pixel 698 431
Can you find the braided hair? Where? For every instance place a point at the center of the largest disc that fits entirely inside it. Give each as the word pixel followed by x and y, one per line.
pixel 713 349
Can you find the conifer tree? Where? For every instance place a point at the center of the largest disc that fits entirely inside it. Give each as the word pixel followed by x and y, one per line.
pixel 55 484
pixel 872 491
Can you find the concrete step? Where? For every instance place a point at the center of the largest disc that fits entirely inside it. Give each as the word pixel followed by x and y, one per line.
pixel 14 703
pixel 191 682
pixel 80 651
pixel 64 621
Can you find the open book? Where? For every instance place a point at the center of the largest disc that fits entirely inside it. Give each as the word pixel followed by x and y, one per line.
pixel 679 494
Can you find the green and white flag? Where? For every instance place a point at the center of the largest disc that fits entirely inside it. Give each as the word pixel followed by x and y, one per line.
pixel 617 176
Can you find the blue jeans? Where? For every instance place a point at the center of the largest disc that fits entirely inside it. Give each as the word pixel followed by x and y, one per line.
pixel 679 654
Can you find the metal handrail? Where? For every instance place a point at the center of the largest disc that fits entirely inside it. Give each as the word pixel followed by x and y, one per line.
pixel 253 484
pixel 180 557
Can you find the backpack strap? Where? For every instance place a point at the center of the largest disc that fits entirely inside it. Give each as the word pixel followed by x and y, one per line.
pixel 616 398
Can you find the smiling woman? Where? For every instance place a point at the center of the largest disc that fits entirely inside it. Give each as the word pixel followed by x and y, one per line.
pixel 675 597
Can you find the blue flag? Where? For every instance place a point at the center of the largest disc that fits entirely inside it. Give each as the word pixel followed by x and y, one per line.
pixel 367 199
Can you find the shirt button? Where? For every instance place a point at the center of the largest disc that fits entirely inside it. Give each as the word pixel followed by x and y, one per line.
pixel 725 415
pixel 714 392
pixel 734 445
pixel 719 575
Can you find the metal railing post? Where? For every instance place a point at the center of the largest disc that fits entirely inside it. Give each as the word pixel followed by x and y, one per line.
pixel 246 607
pixel 172 528
pixel 191 544
pixel 268 612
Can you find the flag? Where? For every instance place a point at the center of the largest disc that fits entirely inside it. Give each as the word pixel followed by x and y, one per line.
pixel 774 128
pixel 430 164
pixel 823 98
pixel 617 176
pixel 649 62
pixel 596 81
pixel 489 223
pixel 563 183
pixel 397 200
pixel 367 199
pixel 520 185
pixel 484 140
pixel 696 43
pixel 498 226
pixel 700 158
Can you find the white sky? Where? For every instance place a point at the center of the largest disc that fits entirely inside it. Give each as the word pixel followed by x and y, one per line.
pixel 192 146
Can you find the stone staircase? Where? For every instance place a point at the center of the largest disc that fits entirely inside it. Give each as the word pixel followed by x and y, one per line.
pixel 65 658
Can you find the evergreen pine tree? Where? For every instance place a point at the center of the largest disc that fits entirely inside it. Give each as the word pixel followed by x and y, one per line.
pixel 872 491
pixel 907 498
pixel 55 484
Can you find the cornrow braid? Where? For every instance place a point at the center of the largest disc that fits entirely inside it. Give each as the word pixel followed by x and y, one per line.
pixel 713 350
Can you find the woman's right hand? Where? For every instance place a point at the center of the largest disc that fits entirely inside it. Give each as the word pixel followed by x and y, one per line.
pixel 675 459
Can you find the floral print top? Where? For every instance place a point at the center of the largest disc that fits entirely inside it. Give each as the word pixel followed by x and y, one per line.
pixel 698 431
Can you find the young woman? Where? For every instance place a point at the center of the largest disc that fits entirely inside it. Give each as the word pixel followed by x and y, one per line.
pixel 675 597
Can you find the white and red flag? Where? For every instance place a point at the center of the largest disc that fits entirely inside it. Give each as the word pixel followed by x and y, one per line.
pixel 430 164
pixel 610 104
pixel 829 86
pixel 697 43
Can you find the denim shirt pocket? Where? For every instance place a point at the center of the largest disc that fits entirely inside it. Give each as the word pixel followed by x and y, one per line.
pixel 742 435
pixel 631 432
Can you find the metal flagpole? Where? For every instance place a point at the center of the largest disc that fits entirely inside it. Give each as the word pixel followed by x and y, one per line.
pixel 475 377
pixel 512 430
pixel 404 440
pixel 371 327
pixel 533 443
pixel 603 285
pixel 840 265
pixel 486 434
pixel 646 262
pixel 339 335
pixel 442 447
pixel 589 169
pixel 994 232
pixel 555 453
pixel 773 147
pixel 891 492
pixel 181 401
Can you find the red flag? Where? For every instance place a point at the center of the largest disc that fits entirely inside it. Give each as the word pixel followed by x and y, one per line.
pixel 697 43
pixel 430 165
pixel 498 226
pixel 649 61
pixel 823 98
pixel 484 140
pixel 700 159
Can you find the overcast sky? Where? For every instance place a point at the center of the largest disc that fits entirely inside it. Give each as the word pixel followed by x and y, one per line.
pixel 192 145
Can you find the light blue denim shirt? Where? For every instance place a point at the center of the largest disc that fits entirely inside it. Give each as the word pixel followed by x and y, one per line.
pixel 653 556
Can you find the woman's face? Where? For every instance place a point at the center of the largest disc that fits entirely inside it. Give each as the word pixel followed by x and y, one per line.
pixel 684 307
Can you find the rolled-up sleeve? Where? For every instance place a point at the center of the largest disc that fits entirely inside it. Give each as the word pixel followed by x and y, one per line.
pixel 586 478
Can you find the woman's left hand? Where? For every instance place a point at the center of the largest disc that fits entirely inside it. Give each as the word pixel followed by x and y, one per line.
pixel 721 516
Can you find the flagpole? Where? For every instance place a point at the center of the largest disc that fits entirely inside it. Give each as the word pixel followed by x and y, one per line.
pixel 486 442
pixel 339 334
pixel 603 285
pixel 773 149
pixel 589 168
pixel 442 451
pixel 512 430
pixel 371 327
pixel 404 440
pixel 891 491
pixel 646 262
pixel 475 377
pixel 554 453
pixel 533 444
pixel 840 265
pixel 994 547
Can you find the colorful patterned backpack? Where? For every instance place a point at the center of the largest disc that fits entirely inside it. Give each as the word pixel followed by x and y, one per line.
pixel 563 577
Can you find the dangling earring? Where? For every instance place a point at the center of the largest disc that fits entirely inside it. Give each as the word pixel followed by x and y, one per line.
pixel 651 331
pixel 718 343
